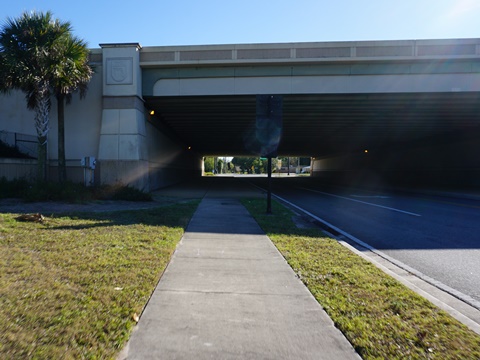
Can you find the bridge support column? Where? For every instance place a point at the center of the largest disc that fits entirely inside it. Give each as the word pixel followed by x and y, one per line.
pixel 123 156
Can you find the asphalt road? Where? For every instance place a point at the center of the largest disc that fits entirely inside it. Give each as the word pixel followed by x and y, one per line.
pixel 436 235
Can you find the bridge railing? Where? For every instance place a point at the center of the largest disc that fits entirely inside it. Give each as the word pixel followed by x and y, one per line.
pixel 319 51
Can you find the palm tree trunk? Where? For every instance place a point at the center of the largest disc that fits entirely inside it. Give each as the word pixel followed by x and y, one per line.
pixel 62 170
pixel 42 111
pixel 42 159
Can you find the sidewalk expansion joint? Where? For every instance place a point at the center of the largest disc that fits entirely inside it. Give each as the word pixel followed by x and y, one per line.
pixel 306 295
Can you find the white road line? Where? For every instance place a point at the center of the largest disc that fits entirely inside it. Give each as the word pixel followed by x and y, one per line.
pixel 362 202
pixel 371 196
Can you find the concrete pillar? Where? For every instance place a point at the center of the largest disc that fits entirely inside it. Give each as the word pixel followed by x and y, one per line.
pixel 123 156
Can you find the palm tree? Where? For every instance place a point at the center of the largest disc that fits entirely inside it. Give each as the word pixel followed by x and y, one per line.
pixel 27 44
pixel 72 73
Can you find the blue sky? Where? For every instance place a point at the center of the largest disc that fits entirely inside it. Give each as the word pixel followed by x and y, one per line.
pixel 189 22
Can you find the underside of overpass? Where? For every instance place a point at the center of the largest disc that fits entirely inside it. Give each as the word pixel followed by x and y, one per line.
pixel 322 125
pixel 399 139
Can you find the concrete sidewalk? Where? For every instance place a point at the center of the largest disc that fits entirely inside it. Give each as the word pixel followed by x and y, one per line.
pixel 229 294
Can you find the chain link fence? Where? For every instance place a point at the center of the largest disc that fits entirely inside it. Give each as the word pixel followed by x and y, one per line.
pixel 23 143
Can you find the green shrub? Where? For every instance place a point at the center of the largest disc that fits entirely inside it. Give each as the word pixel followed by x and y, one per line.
pixel 68 191
pixel 120 192
pixel 51 191
pixel 13 188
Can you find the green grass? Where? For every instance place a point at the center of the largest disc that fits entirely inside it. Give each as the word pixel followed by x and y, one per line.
pixel 69 287
pixel 382 318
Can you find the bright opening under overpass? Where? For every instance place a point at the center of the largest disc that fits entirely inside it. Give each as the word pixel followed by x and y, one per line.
pixel 413 105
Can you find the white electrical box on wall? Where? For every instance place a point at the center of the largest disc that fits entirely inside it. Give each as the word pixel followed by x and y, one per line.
pixel 88 162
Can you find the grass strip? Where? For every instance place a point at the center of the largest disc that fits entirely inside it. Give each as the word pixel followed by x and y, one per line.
pixel 381 318
pixel 69 287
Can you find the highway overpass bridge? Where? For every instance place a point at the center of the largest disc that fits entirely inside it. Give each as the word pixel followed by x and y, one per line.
pixel 403 112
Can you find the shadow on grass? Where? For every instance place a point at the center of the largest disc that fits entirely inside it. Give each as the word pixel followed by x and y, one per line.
pixel 170 216
pixel 280 222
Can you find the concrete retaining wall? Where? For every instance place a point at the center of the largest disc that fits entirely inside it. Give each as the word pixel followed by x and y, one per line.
pixel 170 161
pixel 12 169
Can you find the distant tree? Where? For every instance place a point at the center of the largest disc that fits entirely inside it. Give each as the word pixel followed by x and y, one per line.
pixel 291 161
pixel 253 165
pixel 258 166
pixel 244 163
pixel 208 164
pixel 220 164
